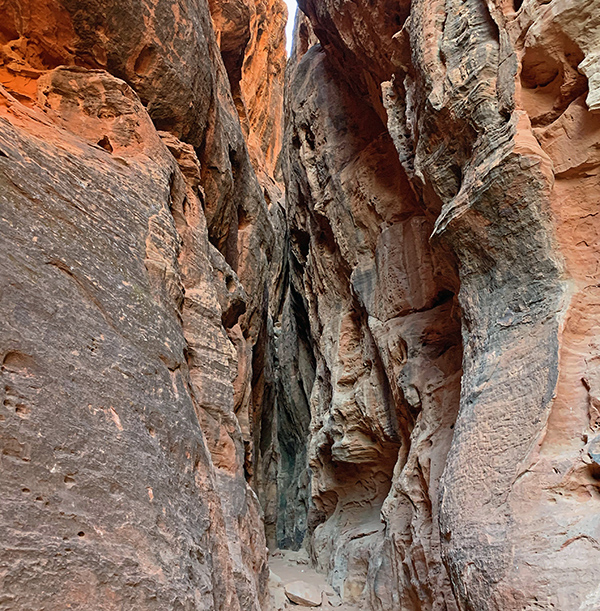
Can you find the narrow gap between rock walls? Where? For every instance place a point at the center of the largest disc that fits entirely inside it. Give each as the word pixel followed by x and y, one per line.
pixel 289 28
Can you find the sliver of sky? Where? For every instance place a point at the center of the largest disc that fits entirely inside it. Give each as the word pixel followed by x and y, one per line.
pixel 289 29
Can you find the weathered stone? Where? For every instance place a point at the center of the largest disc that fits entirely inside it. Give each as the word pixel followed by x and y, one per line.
pixel 480 243
pixel 385 332
pixel 303 594
pixel 333 600
pixel 112 450
pixel 392 367
pixel 126 336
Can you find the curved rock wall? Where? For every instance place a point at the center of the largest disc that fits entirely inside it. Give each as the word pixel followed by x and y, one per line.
pixel 386 328
pixel 440 165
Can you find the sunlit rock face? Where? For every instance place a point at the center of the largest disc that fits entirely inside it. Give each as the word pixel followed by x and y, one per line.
pixel 442 170
pixel 137 249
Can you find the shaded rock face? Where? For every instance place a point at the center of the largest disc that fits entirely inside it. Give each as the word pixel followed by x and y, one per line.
pixel 259 247
pixel 136 252
pixel 386 332
pixel 441 171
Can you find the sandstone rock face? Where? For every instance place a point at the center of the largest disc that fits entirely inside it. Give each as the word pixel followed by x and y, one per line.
pixel 261 85
pixel 250 233
pixel 387 333
pixel 441 168
pixel 380 348
pixel 136 252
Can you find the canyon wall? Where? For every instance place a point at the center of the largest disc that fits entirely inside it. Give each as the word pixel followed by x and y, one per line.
pixel 441 165
pixel 362 319
pixel 136 253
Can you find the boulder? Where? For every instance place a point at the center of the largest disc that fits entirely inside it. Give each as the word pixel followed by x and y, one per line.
pixel 304 594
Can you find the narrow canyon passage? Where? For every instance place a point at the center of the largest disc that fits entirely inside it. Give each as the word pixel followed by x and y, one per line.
pixel 299 328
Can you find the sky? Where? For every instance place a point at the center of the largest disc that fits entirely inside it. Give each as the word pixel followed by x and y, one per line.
pixel 289 30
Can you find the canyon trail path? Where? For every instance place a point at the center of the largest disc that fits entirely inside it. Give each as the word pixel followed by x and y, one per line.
pixel 288 567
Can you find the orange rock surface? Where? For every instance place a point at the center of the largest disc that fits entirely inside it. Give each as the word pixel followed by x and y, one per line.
pixel 136 244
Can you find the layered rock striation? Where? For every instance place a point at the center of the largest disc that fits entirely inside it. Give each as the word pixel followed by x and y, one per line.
pixel 136 252
pixel 440 164
pixel 361 320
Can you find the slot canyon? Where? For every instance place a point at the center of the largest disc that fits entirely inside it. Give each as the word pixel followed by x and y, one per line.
pixel 334 315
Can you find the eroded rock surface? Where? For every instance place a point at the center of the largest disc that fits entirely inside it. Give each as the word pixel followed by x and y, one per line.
pixel 440 160
pixel 380 349
pixel 136 251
